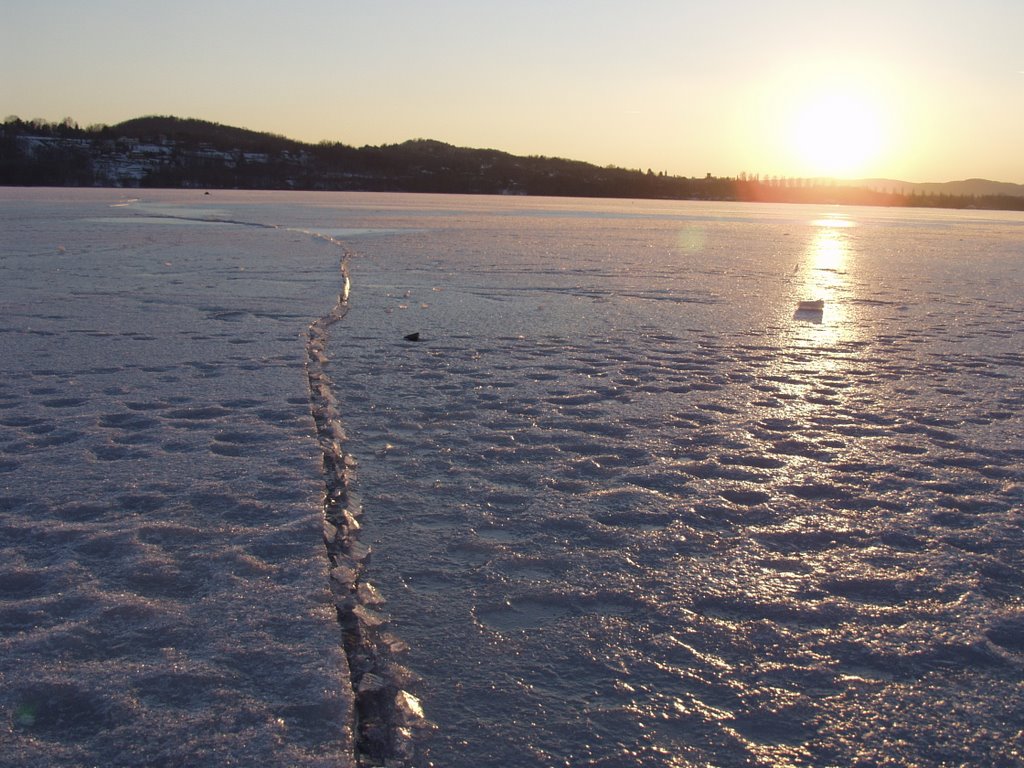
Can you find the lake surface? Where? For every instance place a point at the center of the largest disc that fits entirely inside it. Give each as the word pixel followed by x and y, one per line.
pixel 631 508
pixel 163 580
pixel 627 505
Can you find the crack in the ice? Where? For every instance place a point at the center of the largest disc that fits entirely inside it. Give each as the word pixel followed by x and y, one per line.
pixel 385 715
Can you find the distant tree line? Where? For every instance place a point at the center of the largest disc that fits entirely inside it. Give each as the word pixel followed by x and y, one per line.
pixel 174 152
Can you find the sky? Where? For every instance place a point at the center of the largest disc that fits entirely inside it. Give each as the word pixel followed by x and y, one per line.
pixel 917 90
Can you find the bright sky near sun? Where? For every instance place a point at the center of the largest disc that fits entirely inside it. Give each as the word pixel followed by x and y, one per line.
pixel 918 90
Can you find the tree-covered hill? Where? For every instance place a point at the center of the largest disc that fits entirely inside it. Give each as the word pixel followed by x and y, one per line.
pixel 189 153
pixel 192 132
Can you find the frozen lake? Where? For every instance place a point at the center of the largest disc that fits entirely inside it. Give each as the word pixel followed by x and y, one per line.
pixel 627 505
pixel 163 586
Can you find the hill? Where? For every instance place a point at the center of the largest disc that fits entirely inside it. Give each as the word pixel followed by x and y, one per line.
pixel 163 151
pixel 979 187
pixel 193 131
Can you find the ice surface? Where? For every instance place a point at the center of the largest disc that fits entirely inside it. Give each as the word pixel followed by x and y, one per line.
pixel 164 596
pixel 628 510
pixel 625 508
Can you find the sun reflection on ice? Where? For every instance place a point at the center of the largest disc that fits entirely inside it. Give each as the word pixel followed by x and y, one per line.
pixel 824 276
pixel 816 345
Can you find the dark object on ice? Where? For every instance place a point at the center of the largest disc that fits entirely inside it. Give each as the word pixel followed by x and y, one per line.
pixel 413 336
pixel 810 311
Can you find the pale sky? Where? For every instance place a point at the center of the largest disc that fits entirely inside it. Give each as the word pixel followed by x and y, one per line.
pixel 919 90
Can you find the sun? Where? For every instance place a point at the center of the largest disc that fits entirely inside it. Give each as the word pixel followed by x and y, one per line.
pixel 836 133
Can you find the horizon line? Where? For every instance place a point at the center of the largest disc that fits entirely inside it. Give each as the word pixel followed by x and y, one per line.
pixel 72 122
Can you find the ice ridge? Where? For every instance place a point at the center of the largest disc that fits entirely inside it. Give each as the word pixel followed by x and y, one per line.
pixel 386 716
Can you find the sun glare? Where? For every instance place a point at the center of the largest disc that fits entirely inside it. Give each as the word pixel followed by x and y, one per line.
pixel 836 134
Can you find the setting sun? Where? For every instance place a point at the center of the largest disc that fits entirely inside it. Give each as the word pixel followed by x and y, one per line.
pixel 836 134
